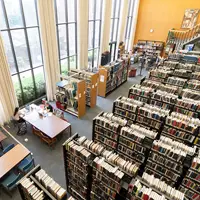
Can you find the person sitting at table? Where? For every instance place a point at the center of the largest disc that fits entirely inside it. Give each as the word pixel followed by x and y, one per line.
pixel 17 114
pixel 48 107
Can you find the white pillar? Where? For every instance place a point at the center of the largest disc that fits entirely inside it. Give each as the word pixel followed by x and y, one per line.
pixel 82 29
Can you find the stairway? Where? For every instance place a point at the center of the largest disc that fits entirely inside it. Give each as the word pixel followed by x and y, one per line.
pixel 182 38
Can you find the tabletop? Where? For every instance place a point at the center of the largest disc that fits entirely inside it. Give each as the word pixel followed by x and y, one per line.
pixel 50 125
pixel 12 158
pixel 2 136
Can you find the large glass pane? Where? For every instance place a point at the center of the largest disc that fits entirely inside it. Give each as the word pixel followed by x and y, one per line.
pixel 64 66
pixel 90 39
pixel 30 12
pixel 39 81
pixel 61 11
pixel 14 13
pixel 18 91
pixel 113 8
pixel 129 27
pixel 97 33
pixel 132 8
pixel 9 52
pixel 72 62
pixel 117 8
pixel 91 9
pixel 71 10
pixel 62 40
pixel 21 51
pixel 35 48
pixel 96 56
pixel 2 18
pixel 126 44
pixel 72 42
pixel 27 86
pixel 98 9
pixel 90 59
pixel 115 30
pixel 111 30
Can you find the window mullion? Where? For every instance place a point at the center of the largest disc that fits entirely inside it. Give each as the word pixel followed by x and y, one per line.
pixel 13 50
pixel 28 47
pixel 67 32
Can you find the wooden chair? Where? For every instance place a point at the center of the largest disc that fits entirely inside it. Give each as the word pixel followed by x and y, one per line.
pixel 48 140
pixel 36 131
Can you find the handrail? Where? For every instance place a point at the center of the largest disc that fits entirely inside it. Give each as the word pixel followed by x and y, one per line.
pixel 182 37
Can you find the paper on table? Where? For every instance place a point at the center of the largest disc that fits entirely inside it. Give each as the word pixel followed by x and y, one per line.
pixel 50 114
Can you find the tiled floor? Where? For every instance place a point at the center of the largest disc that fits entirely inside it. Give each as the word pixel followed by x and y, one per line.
pixel 52 160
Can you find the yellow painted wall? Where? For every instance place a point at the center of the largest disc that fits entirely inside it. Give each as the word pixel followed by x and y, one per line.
pixel 161 15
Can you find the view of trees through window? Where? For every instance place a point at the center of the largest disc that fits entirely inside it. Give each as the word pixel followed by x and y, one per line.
pixel 66 22
pixel 20 33
pixel 94 31
pixel 129 23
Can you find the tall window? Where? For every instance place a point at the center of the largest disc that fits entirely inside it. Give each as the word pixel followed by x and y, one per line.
pixel 129 23
pixel 66 21
pixel 94 22
pixel 20 32
pixel 116 6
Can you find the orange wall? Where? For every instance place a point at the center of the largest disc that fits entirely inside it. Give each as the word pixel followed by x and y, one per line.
pixel 161 15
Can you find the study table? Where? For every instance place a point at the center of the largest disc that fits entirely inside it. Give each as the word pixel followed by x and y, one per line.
pixel 50 124
pixel 2 137
pixel 12 158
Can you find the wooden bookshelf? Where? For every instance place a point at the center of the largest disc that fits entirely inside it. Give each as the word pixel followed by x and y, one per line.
pixel 63 102
pixel 91 80
pixel 112 77
pixel 48 193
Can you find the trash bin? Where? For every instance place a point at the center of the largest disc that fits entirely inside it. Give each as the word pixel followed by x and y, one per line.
pixel 132 72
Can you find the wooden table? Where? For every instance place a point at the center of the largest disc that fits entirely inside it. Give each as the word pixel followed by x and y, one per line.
pixel 2 137
pixel 51 125
pixel 13 157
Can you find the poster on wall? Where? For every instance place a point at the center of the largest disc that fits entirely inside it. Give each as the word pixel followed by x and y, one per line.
pixel 190 18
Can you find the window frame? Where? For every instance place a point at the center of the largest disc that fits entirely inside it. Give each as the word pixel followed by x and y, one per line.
pixel 67 23
pixel 25 29
pixel 129 18
pixel 93 21
pixel 115 18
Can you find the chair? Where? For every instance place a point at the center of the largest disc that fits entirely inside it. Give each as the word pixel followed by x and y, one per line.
pixel 36 131
pixel 48 140
pixel 8 148
pixel 22 126
pixel 26 165
pixel 9 182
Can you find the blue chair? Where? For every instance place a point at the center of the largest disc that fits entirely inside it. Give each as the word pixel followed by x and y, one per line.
pixel 9 182
pixel 8 148
pixel 26 165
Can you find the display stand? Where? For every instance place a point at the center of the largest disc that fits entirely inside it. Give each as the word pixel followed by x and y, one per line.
pixel 48 189
pixel 70 96
pixel 112 76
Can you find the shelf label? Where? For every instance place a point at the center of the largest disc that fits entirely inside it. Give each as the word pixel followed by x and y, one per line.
pixel 96 84
pixel 80 95
pixel 102 78
pixel 92 86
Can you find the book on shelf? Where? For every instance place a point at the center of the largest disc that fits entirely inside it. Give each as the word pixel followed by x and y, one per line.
pixel 96 147
pixel 186 66
pixel 150 84
pixel 190 94
pixel 183 122
pixel 195 75
pixel 167 158
pixel 182 73
pixel 190 185
pixel 140 93
pixel 176 81
pixel 194 85
pixel 168 88
pixel 126 108
pixel 171 64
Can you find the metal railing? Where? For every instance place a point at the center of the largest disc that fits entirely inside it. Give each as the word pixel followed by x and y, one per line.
pixel 181 38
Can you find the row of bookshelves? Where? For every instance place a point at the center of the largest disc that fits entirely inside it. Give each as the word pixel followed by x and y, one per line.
pixel 38 185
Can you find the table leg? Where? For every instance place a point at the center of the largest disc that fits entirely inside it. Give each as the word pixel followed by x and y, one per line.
pixel 1 146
